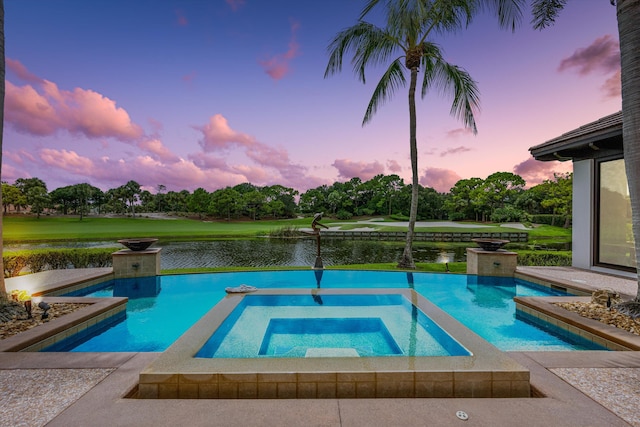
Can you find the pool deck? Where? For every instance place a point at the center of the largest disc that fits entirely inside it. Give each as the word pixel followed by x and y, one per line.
pixel 578 388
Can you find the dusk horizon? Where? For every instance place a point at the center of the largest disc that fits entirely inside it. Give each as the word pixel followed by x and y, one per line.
pixel 190 94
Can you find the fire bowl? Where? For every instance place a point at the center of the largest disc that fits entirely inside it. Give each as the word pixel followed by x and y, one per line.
pixel 491 245
pixel 138 244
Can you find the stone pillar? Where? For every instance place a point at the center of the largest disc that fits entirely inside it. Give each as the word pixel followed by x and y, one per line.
pixel 128 263
pixel 491 263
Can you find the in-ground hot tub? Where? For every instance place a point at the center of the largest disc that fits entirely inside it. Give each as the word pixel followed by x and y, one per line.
pixel 331 372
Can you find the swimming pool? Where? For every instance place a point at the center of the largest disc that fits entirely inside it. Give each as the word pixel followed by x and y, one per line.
pixel 353 325
pixel 161 309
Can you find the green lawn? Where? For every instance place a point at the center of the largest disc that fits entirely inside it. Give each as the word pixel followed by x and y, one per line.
pixel 30 229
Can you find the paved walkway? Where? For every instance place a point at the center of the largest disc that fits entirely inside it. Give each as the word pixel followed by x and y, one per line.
pixel 90 389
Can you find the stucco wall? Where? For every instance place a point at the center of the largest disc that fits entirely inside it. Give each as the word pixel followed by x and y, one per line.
pixel 583 220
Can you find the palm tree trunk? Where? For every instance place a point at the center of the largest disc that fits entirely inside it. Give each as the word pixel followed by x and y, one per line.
pixel 3 289
pixel 628 12
pixel 407 256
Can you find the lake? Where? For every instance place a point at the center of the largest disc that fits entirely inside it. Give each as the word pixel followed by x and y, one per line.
pixel 265 252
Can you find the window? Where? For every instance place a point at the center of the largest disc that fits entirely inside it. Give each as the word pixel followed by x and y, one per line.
pixel 615 245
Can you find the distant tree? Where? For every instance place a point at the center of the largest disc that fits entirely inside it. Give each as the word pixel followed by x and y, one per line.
pixel 198 202
pixel 225 203
pixel 38 199
pixel 130 193
pixel 12 196
pixel 559 196
pixel 460 204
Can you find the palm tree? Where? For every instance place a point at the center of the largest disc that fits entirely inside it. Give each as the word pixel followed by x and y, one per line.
pixel 3 289
pixel 405 44
pixel 628 13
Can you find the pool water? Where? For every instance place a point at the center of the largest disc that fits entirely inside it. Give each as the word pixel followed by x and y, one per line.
pixel 349 325
pixel 160 309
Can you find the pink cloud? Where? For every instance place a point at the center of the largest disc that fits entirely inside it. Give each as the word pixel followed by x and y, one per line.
pixel 612 88
pixel 189 78
pixel 456 150
pixel 235 4
pixel 455 133
pixel 394 166
pixel 278 66
pixel 28 111
pixel 348 169
pixel 158 150
pixel 50 109
pixel 69 161
pixel 439 179
pixel 273 162
pixel 181 18
pixel 21 71
pixel 602 55
pixel 534 171
pixel 218 135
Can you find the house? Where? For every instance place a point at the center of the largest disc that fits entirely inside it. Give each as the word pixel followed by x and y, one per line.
pixel 602 237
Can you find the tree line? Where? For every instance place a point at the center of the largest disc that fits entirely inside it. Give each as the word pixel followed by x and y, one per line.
pixel 501 197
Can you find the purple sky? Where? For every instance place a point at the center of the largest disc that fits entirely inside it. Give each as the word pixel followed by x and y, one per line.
pixel 194 93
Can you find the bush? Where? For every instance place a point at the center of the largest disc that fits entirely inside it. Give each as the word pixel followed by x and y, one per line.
pixel 57 259
pixel 544 258
pixel 285 232
pixel 344 215
pixel 548 219
pixel 508 214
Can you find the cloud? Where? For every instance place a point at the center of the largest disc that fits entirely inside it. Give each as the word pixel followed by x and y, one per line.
pixel 278 66
pixel 602 55
pixel 534 171
pixel 21 71
pixel 269 163
pixel 189 78
pixel 219 135
pixel 43 109
pixel 235 4
pixel 394 166
pixel 66 160
pixel 181 19
pixel 439 179
pixel 455 133
pixel 612 88
pixel 348 169
pixel 158 150
pixel 456 150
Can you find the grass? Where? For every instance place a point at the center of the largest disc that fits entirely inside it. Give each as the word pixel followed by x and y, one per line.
pixel 24 229
pixel 48 229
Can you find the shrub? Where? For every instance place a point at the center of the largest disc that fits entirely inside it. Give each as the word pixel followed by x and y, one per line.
pixel 548 219
pixel 56 259
pixel 343 215
pixel 544 258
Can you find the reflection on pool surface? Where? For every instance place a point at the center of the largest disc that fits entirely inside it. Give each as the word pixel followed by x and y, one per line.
pixel 310 325
pixel 483 304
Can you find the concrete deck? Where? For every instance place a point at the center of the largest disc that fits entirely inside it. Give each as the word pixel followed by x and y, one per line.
pixel 101 382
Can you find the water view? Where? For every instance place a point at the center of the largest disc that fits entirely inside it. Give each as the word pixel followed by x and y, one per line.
pixel 274 252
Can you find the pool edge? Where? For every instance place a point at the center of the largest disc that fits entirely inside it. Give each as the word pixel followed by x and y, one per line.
pixel 487 373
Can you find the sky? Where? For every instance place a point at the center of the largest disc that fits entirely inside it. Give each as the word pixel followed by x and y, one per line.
pixel 215 93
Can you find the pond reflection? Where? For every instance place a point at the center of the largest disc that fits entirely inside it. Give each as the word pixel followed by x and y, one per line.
pixel 294 253
pixel 265 252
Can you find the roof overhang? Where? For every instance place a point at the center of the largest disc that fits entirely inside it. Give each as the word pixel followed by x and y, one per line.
pixel 596 139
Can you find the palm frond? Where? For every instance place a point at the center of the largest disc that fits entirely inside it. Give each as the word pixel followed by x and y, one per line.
pixel 545 12
pixel 509 12
pixel 390 81
pixel 366 42
pixel 450 79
